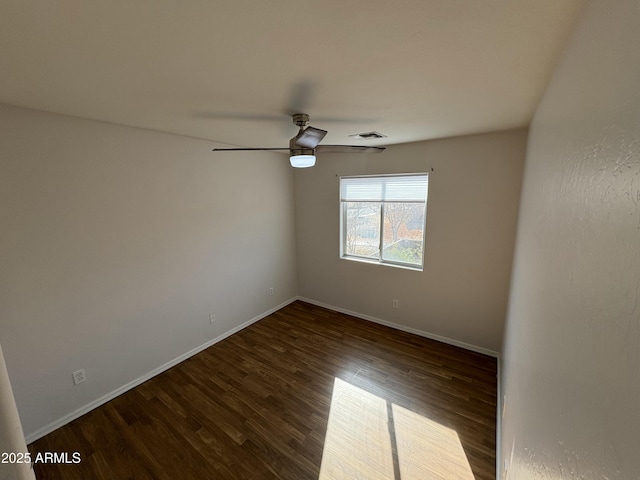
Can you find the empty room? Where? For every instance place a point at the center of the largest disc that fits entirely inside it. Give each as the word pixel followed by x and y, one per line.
pixel 320 240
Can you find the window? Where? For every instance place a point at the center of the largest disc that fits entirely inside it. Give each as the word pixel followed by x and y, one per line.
pixel 383 218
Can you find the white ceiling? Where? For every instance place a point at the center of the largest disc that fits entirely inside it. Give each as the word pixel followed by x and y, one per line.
pixel 231 71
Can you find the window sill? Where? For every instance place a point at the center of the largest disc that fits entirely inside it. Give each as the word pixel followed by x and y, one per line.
pixel 385 264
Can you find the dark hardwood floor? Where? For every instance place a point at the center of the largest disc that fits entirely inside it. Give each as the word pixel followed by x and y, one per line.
pixel 268 401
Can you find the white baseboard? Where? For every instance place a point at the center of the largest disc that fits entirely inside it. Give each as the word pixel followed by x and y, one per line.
pixel 41 432
pixel 415 331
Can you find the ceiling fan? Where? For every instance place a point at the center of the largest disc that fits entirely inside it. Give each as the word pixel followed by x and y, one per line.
pixel 304 146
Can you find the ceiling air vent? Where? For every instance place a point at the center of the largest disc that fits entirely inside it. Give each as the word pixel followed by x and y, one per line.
pixel 368 135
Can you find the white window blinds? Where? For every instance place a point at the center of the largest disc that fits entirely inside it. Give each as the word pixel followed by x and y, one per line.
pixel 392 188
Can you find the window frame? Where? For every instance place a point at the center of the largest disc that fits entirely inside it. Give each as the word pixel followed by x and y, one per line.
pixel 380 260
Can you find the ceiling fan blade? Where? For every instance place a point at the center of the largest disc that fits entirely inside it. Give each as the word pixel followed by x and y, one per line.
pixel 348 149
pixel 301 96
pixel 247 149
pixel 310 137
pixel 251 117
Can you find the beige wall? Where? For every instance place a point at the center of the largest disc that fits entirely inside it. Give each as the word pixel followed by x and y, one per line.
pixel 116 244
pixel 572 344
pixel 473 199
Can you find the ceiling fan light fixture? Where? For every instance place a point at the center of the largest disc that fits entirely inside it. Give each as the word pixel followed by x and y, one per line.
pixel 302 161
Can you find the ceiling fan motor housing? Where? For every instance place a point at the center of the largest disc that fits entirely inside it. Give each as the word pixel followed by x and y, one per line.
pixel 308 137
pixel 296 149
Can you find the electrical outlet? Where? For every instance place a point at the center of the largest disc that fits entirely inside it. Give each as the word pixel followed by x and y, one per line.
pixel 212 318
pixel 271 292
pixel 394 303
pixel 79 376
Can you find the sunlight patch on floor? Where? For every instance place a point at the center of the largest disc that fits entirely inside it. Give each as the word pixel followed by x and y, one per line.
pixel 362 430
pixel 427 449
pixel 357 444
